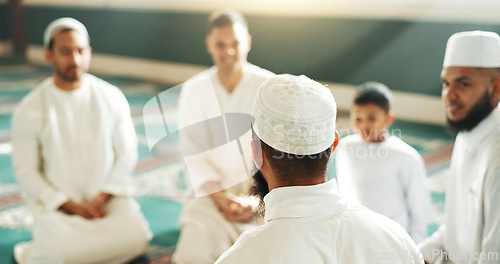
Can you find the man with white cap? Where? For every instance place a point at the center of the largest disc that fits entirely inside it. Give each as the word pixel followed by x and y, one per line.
pixel 220 212
pixel 470 232
pixel 74 148
pixel 306 220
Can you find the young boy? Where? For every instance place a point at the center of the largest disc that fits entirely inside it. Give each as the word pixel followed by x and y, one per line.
pixel 381 171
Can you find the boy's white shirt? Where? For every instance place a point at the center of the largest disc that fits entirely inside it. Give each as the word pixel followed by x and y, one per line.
pixel 388 178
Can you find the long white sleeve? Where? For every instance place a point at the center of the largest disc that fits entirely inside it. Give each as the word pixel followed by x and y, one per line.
pixel 27 159
pixel 417 198
pixel 491 230
pixel 124 141
pixel 197 105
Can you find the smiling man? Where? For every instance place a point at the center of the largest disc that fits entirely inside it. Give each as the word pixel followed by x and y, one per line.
pixel 220 212
pixel 74 148
pixel 471 89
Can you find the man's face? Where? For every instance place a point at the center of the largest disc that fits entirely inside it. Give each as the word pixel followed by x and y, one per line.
pixel 229 47
pixel 467 94
pixel 70 55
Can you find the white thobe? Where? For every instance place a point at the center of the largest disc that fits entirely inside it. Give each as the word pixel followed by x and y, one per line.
pixel 386 177
pixel 313 224
pixel 76 145
pixel 205 233
pixel 470 232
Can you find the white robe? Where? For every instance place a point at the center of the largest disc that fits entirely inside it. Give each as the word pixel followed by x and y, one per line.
pixel 75 145
pixel 205 233
pixel 313 224
pixel 470 232
pixel 388 178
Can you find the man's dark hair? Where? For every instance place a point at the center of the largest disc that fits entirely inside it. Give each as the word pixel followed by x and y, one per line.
pixel 226 17
pixel 288 167
pixel 374 93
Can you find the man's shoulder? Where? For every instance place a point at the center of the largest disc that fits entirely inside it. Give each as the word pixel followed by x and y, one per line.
pixel 107 91
pixel 494 141
pixel 358 229
pixel 490 151
pixel 272 230
pixel 268 240
pixel 371 234
pixel 374 232
pixel 200 77
pixel 259 72
pixel 197 83
pixel 33 101
pixel 102 85
pixel 367 222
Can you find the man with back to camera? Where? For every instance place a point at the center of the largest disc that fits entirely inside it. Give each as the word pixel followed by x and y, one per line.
pixel 470 232
pixel 306 220
pixel 74 148
pixel 221 211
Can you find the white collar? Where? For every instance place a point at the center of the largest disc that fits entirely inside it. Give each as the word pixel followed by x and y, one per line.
pixel 304 201
pixel 73 93
pixel 484 128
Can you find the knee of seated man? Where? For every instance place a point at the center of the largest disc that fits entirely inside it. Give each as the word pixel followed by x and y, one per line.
pixel 196 246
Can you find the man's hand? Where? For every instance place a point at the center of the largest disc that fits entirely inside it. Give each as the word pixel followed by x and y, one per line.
pixel 83 210
pixel 99 203
pixel 92 211
pixel 233 207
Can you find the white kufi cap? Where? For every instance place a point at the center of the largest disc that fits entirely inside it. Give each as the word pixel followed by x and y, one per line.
pixel 295 115
pixel 473 49
pixel 61 24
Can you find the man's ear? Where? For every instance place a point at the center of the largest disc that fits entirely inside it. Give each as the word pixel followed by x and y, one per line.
pixel 48 56
pixel 495 96
pixel 335 142
pixel 207 44
pixel 249 42
pixel 258 159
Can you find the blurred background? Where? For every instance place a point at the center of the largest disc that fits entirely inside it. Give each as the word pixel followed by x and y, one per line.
pixel 343 42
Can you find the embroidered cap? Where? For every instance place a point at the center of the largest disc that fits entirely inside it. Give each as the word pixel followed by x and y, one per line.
pixel 295 115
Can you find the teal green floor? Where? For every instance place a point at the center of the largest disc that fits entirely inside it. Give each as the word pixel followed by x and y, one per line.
pixel 17 78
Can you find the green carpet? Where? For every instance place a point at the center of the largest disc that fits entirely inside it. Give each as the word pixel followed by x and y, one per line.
pixel 159 184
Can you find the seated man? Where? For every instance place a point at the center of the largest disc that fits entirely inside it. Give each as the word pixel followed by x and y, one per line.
pixel 221 209
pixel 74 148
pixel 306 220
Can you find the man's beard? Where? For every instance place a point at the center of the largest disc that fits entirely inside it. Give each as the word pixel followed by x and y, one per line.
pixel 259 187
pixel 476 114
pixel 66 76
